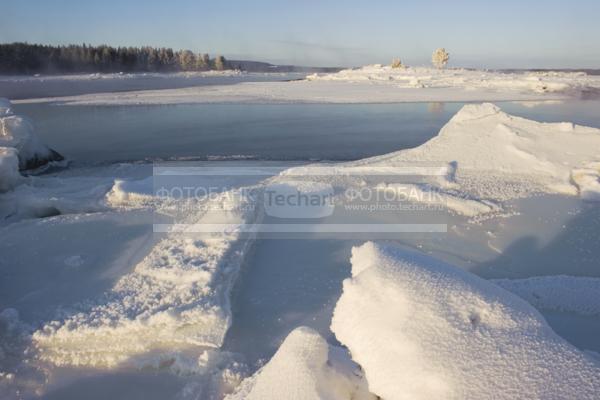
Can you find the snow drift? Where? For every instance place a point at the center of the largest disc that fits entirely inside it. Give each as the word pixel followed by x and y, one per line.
pixel 305 368
pixel 480 159
pixel 496 157
pixel 18 133
pixel 422 329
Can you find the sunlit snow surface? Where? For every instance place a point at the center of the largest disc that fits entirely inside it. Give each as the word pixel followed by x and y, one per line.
pixel 88 290
pixel 424 329
pixel 372 84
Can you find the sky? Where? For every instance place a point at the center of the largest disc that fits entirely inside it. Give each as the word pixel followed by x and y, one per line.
pixel 477 33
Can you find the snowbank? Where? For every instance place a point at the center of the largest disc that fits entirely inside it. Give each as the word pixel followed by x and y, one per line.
pixel 423 77
pixel 574 294
pixel 305 368
pixel 17 132
pixel 422 329
pixel 495 156
pixel 9 168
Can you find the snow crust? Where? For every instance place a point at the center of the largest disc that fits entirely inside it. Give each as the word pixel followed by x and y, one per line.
pixel 423 329
pixel 305 368
pixel 580 295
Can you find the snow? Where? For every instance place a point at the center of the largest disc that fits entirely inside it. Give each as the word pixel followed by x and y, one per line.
pixel 580 295
pixel 493 157
pixel 177 297
pixel 111 296
pixel 482 159
pixel 423 329
pixel 13 343
pixel 48 196
pixel 426 194
pixel 5 107
pixel 128 192
pixel 372 84
pixel 17 132
pixel 424 77
pixel 305 368
pixel 9 168
pixel 119 76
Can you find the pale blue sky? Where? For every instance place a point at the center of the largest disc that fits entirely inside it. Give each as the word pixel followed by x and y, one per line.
pixel 507 33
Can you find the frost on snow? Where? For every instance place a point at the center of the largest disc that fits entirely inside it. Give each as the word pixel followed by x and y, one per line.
pixel 423 329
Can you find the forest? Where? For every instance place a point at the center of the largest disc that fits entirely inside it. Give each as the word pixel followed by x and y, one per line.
pixel 25 58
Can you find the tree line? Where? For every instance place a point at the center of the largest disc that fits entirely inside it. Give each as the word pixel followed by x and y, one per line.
pixel 25 58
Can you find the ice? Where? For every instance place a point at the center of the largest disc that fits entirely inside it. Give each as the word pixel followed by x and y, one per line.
pixel 176 298
pixel 305 368
pixel 128 192
pixel 426 194
pixel 9 168
pixel 17 132
pixel 587 180
pixel 131 301
pixel 423 77
pixel 574 294
pixel 483 158
pixel 5 107
pixel 372 84
pixel 496 157
pixel 422 329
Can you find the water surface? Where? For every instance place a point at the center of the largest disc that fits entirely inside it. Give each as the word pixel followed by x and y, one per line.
pixel 100 134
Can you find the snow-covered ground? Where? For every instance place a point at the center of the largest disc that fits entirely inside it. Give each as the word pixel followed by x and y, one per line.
pixel 372 84
pixel 92 292
pixel 424 329
pixel 424 77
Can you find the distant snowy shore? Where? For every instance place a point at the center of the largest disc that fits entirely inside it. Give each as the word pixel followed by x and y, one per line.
pixel 425 77
pixel 28 87
pixel 371 84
